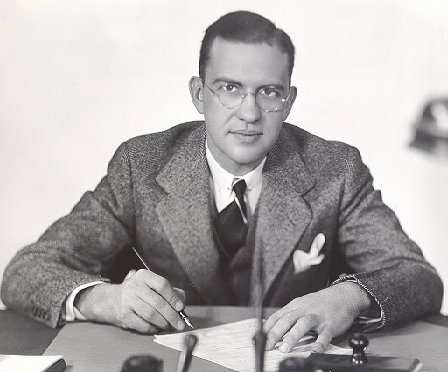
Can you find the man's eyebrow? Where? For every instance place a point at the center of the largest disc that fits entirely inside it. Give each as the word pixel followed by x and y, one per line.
pixel 225 80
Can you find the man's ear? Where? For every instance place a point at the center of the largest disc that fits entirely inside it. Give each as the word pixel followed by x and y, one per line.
pixel 196 92
pixel 289 102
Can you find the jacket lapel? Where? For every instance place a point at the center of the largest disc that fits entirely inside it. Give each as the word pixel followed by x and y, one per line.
pixel 185 215
pixel 283 212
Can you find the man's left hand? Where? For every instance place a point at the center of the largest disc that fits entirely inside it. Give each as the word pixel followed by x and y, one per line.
pixel 328 312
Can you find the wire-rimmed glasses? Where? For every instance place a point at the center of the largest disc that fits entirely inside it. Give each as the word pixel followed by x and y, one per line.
pixel 268 99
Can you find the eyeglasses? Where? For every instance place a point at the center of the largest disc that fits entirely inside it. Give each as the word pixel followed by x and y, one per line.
pixel 268 99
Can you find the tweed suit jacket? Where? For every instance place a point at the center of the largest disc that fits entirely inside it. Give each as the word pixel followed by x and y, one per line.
pixel 156 197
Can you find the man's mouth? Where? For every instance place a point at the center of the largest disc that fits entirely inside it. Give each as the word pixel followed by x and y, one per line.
pixel 248 133
pixel 247 136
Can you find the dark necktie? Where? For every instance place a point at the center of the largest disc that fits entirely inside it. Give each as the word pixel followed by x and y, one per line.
pixel 230 229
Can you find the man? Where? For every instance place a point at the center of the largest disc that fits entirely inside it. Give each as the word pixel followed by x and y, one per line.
pixel 200 199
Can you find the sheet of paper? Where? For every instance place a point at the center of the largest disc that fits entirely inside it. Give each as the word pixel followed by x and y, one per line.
pixel 230 345
pixel 30 363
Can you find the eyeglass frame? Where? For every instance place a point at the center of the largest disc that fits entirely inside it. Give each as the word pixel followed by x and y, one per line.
pixel 283 100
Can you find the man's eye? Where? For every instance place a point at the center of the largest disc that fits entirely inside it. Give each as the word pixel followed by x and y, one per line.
pixel 230 88
pixel 270 93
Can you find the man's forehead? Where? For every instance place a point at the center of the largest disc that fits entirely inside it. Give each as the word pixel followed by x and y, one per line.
pixel 235 58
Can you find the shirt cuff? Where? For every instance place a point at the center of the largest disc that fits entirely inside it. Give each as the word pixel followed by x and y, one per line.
pixel 71 312
pixel 368 322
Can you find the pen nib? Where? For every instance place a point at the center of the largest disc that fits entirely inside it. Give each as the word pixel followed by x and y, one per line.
pixel 187 321
pixel 185 318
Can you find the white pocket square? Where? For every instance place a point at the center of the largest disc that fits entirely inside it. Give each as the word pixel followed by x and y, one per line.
pixel 304 260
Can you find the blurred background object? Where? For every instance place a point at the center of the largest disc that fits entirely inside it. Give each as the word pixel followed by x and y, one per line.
pixel 431 131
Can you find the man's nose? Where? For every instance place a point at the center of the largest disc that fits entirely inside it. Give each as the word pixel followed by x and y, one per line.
pixel 249 111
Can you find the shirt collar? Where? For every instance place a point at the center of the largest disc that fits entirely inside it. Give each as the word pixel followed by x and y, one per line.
pixel 225 180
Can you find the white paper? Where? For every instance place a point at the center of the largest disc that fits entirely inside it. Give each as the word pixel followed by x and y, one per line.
pixel 230 345
pixel 27 363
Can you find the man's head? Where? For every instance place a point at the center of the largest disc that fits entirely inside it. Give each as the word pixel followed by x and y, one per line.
pixel 245 27
pixel 244 88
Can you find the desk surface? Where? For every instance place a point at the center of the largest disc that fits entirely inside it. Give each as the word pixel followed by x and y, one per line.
pixel 425 339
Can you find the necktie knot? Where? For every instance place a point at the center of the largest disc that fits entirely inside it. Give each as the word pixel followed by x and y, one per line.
pixel 239 188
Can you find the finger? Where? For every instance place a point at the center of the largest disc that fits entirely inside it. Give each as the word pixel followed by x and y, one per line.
pixel 161 307
pixel 133 321
pixel 323 341
pixel 164 289
pixel 270 322
pixel 150 314
pixel 274 318
pixel 279 329
pixel 180 293
pixel 129 274
pixel 297 331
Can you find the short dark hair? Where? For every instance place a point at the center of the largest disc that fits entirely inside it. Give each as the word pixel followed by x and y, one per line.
pixel 246 27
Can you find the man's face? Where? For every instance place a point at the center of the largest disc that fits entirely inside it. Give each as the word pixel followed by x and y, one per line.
pixel 239 138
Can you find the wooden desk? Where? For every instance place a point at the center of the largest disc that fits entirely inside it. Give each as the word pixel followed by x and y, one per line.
pixel 105 347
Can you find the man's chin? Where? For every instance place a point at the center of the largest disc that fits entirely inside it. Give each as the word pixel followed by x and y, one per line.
pixel 245 164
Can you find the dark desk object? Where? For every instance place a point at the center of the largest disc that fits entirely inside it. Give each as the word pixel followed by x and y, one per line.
pixel 357 362
pixel 425 340
pixel 341 363
pixel 142 363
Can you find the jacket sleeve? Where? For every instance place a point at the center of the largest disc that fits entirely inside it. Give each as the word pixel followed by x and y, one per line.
pixel 77 249
pixel 381 257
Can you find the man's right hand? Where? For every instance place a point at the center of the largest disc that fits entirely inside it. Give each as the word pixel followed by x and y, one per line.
pixel 144 301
